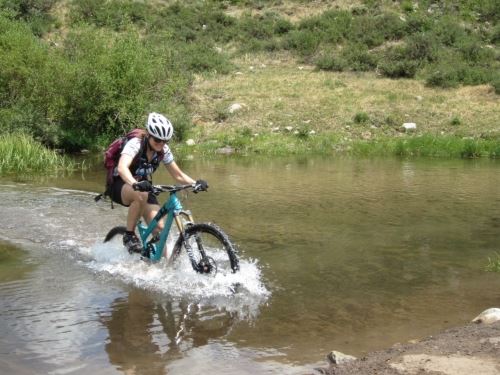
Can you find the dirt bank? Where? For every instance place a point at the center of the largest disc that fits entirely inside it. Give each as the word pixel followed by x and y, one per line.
pixel 473 349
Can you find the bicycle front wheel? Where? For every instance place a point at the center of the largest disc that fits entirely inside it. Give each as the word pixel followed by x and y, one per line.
pixel 208 248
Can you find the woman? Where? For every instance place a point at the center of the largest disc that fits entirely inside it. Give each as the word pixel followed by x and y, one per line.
pixel 131 186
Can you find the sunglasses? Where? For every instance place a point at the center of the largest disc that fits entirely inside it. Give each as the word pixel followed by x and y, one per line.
pixel 158 140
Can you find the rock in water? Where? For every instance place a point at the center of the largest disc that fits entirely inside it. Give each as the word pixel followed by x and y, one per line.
pixel 488 316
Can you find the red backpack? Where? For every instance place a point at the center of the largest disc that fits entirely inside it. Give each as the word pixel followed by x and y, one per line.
pixel 114 150
pixel 113 153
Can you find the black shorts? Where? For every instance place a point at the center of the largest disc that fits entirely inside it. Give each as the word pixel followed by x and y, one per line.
pixel 115 193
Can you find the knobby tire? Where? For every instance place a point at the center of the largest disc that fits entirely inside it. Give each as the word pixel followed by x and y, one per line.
pixel 224 249
pixel 115 231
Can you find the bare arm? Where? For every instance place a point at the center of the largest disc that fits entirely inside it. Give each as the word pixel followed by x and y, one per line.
pixel 124 169
pixel 177 174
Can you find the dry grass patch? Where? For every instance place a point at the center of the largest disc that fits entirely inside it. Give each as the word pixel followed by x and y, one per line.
pixel 276 92
pixel 294 10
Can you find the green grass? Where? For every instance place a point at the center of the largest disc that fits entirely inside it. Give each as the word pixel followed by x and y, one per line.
pixel 303 142
pixel 493 264
pixel 21 154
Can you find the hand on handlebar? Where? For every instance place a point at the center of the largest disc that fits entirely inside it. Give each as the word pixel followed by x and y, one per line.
pixel 143 186
pixel 200 185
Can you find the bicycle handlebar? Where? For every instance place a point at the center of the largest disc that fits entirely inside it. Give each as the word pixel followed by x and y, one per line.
pixel 157 189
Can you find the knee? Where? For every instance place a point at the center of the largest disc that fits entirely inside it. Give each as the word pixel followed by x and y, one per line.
pixel 141 197
pixel 159 227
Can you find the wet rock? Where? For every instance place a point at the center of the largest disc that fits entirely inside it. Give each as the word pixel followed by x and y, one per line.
pixel 336 358
pixel 488 316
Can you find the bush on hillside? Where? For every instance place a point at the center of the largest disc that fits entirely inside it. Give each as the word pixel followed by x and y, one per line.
pixel 398 63
pixel 200 58
pixel 115 83
pixel 29 82
pixel 330 27
pixel 305 43
pixel 373 30
pixel 36 13
pixel 496 84
pixel 115 14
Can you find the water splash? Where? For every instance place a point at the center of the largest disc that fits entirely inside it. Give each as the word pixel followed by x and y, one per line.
pixel 59 230
pixel 242 292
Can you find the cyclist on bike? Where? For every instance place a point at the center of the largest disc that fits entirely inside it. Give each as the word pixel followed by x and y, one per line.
pixel 132 185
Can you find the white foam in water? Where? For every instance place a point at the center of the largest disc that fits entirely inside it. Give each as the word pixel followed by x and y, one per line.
pixel 241 292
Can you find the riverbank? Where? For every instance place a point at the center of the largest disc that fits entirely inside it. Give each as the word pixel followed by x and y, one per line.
pixel 274 105
pixel 471 349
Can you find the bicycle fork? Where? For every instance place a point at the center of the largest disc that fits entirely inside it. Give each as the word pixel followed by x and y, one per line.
pixel 201 266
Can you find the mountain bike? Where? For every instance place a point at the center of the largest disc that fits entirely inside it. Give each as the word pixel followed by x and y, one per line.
pixel 209 249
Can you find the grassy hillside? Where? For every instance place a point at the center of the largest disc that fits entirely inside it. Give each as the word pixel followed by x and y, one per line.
pixel 295 103
pixel 310 76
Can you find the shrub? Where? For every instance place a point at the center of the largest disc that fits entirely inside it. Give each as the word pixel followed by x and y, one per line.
pixel 455 121
pixel 488 10
pixel 475 52
pixel 115 14
pixel 358 58
pixel 282 26
pixel 407 6
pixel 30 82
pixel 418 23
pixel 373 30
pixel 114 83
pixel 496 84
pixel 200 58
pixel 330 61
pixel 448 31
pixel 397 62
pixel 361 118
pixel 422 47
pixel 351 57
pixel 256 28
pixel 305 42
pixel 330 27
pixel 442 76
pixel 36 13
pixel 405 60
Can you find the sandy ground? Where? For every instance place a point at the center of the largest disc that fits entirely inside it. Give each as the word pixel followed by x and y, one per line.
pixel 470 350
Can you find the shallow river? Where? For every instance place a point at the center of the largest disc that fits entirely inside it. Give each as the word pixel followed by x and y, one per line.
pixel 337 254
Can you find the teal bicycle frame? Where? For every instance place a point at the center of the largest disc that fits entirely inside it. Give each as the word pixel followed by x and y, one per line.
pixel 172 209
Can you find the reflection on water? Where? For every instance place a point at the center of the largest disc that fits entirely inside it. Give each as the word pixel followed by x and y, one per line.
pixel 351 255
pixel 145 335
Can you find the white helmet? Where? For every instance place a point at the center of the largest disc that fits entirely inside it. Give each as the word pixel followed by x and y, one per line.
pixel 159 126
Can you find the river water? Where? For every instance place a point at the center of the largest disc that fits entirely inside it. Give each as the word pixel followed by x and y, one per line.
pixel 337 254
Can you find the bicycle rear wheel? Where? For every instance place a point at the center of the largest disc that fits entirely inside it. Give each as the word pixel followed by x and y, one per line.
pixel 209 249
pixel 114 232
